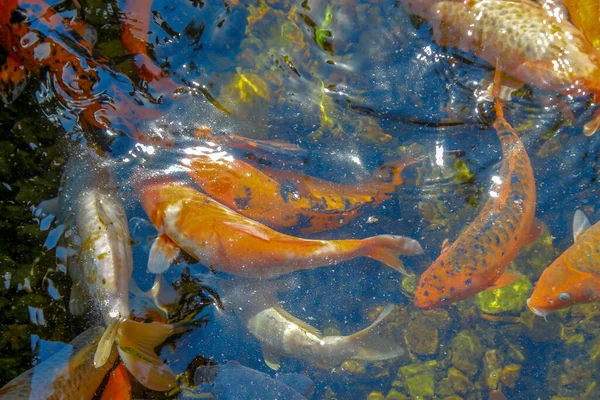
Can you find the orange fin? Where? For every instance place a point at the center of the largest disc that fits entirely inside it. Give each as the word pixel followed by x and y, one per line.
pixel 162 254
pixel 592 126
pixel 535 231
pixel 387 248
pixel 118 385
pixel 249 230
pixel 137 341
pixel 585 15
pixel 507 278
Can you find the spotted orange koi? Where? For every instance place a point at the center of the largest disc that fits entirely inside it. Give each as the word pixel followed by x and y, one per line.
pixel 39 41
pixel 574 277
pixel 224 240
pixel 289 199
pixel 534 44
pixel 483 252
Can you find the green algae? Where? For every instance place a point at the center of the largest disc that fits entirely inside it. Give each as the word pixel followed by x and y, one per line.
pixel 420 378
pixel 511 298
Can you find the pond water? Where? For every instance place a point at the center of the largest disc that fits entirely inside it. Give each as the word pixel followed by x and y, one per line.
pixel 349 87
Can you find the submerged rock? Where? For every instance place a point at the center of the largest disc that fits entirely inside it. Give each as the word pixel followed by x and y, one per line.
pixel 420 378
pixel 422 336
pixel 466 352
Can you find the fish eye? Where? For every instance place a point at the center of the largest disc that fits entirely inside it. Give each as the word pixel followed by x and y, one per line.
pixel 564 296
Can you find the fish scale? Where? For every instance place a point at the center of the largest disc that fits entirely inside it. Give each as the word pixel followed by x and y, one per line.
pixel 530 44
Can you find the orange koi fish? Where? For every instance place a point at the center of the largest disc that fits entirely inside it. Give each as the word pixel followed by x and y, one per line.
pixel 289 199
pixel 224 240
pixel 481 254
pixel 68 374
pixel 118 385
pixel 532 43
pixel 574 277
pixel 40 41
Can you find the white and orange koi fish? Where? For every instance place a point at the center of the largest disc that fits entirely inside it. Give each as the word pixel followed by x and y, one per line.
pixel 103 268
pixel 224 240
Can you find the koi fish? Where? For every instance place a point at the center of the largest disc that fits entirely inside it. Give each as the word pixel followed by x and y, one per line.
pixel 532 43
pixel 118 385
pixel 40 41
pixel 103 269
pixel 282 334
pixel 224 240
pixel 67 374
pixel 574 277
pixel 483 252
pixel 289 199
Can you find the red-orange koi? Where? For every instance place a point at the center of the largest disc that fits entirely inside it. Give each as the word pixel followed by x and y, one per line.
pixel 224 240
pixel 481 254
pixel 574 277
pixel 289 199
pixel 39 40
pixel 118 385
pixel 532 43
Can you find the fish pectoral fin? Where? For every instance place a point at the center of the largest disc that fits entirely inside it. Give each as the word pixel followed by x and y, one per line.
pixel 105 344
pixel 535 231
pixel 271 358
pixel 301 324
pixel 249 230
pixel 137 341
pixel 374 345
pixel 445 245
pixel 581 223
pixel 508 277
pixel 78 300
pixel 162 254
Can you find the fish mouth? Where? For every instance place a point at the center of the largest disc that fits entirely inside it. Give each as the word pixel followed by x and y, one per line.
pixel 539 313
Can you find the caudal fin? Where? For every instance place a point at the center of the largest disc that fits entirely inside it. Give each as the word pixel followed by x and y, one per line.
pixel 387 248
pixel 374 346
pixel 137 341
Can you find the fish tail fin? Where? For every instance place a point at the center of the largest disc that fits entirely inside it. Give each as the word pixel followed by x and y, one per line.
pixel 387 248
pixel 374 346
pixel 392 171
pixel 137 341
pixel 105 345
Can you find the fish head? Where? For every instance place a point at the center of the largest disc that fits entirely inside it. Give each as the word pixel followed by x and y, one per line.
pixel 449 280
pixel 561 286
pixel 432 291
pixel 155 190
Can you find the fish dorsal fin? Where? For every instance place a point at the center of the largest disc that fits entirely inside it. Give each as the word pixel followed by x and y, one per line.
pixel 137 341
pixel 445 245
pixel 301 324
pixel 162 254
pixel 508 277
pixel 271 358
pixel 249 230
pixel 581 223
pixel 105 344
